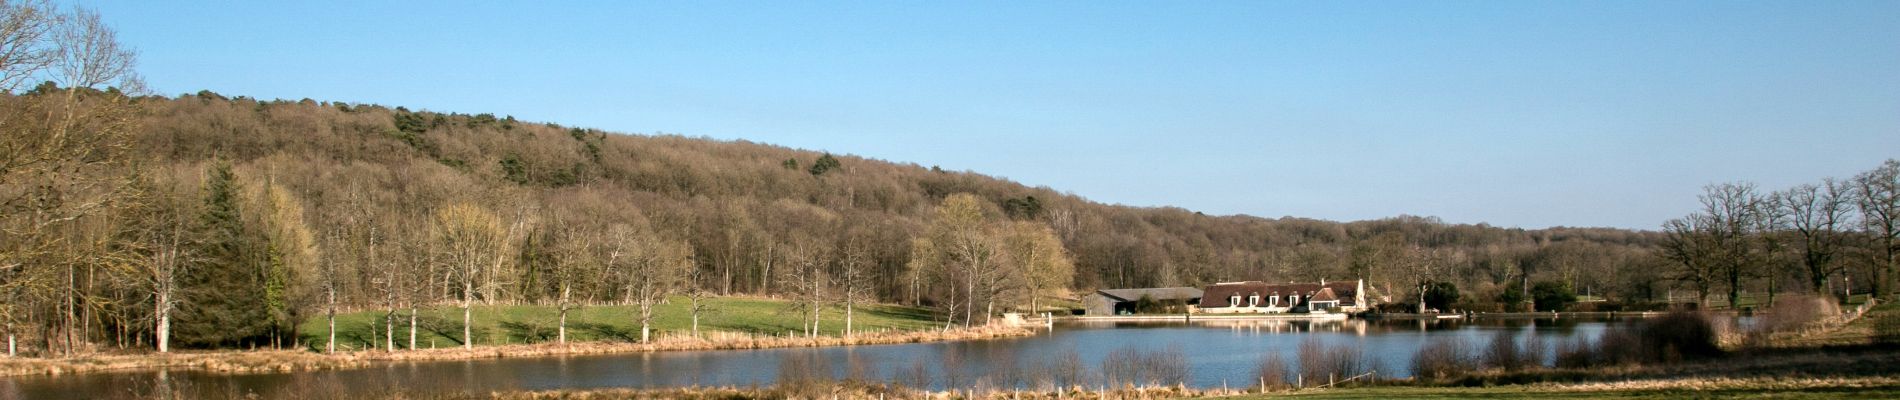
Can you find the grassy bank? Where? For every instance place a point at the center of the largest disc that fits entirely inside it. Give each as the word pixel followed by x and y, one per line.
pixel 441 326
pixel 528 331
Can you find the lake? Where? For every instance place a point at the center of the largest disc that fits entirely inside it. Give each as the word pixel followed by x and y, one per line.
pixel 1218 353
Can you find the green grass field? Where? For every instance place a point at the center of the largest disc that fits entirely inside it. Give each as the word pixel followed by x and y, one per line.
pixel 502 324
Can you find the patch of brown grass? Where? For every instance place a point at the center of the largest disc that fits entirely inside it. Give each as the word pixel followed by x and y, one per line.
pixel 292 360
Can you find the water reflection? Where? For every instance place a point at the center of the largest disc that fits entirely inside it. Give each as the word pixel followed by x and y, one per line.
pixel 1218 352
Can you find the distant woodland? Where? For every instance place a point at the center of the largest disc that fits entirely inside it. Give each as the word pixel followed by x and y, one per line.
pixel 225 221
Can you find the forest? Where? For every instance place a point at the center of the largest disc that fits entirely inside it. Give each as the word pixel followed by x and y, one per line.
pixel 203 220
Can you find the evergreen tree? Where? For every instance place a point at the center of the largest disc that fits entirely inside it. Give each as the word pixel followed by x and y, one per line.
pixel 224 300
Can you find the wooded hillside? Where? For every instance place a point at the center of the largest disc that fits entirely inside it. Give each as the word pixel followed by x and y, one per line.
pixel 294 193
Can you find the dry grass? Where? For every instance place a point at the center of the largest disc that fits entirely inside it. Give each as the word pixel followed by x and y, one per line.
pixel 860 391
pixel 1443 358
pixel 289 360
pixel 1880 324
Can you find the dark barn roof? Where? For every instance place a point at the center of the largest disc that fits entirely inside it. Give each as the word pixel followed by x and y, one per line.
pixel 1173 293
pixel 1217 295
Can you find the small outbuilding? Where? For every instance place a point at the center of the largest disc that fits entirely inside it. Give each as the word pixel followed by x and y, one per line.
pixel 1122 301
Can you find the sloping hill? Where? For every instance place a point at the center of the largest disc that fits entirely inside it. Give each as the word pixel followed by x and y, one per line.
pixel 739 204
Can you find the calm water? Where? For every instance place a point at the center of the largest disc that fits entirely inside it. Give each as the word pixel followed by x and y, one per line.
pixel 1219 353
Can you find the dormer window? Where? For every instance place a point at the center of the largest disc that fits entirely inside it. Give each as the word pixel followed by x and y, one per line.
pixel 1295 300
pixel 1254 300
pixel 1274 301
pixel 1235 300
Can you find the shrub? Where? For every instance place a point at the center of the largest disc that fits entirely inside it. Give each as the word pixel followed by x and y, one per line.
pixel 1442 358
pixel 1061 371
pixel 1441 295
pixel 1271 371
pixel 804 374
pixel 1502 352
pixel 1678 336
pixel 1552 295
pixel 1578 352
pixel 1320 361
pixel 1793 313
pixel 1510 298
pixel 1129 366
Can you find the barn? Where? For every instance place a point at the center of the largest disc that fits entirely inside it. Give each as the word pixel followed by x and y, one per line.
pixel 1122 301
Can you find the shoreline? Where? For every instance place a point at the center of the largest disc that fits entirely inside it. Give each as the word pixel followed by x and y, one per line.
pixel 278 360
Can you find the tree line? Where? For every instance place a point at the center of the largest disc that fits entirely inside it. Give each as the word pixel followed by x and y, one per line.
pixel 138 221
pixel 1836 236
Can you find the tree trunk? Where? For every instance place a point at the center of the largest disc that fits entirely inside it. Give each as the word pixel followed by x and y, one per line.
pixel 412 326
pixel 646 320
pixel 562 327
pixel 468 301
pixel 162 314
pixel 330 314
pixel 989 309
pixel 389 329
pixel 1421 299
pixel 695 307
pixel 847 318
pixel 72 283
pixel 969 300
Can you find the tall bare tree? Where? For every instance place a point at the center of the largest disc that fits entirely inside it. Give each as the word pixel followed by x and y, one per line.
pixel 1733 212
pixel 805 279
pixel 854 277
pixel 1047 268
pixel 1816 214
pixel 652 269
pixel 164 235
pixel 63 149
pixel 573 259
pixel 1686 242
pixel 470 239
pixel 1877 193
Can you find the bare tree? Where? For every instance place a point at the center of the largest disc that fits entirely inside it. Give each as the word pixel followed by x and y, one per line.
pixel 573 259
pixel 165 237
pixel 804 276
pixel 1686 242
pixel 1877 193
pixel 696 297
pixel 653 269
pixel 854 277
pixel 1046 267
pixel 1815 214
pixel 470 237
pixel 1733 212
pixel 62 153
pixel 962 249
pixel 24 51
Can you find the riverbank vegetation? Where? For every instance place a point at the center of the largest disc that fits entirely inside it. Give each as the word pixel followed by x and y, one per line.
pixel 535 324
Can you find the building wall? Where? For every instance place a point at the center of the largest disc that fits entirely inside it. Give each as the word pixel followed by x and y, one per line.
pixel 1097 304
pixel 1245 310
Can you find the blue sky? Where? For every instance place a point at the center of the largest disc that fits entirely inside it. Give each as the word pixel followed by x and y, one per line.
pixel 1527 114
